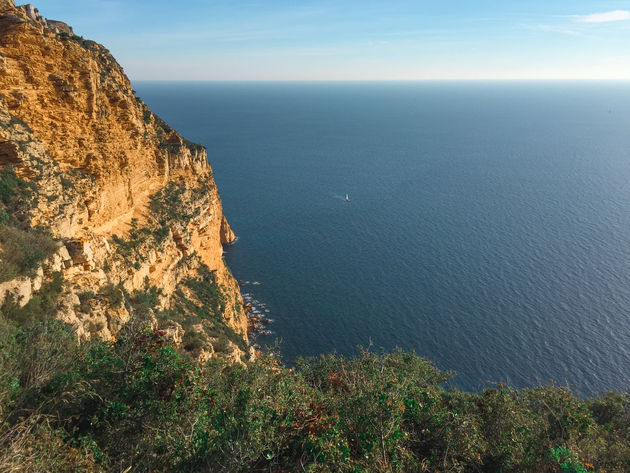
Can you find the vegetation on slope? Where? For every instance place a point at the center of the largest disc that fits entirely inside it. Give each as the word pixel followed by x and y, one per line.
pixel 142 403
pixel 137 402
pixel 22 247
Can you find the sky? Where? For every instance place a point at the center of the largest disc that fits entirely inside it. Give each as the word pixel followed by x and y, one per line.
pixel 356 39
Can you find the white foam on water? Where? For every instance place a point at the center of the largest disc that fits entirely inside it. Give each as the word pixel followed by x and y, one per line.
pixel 257 311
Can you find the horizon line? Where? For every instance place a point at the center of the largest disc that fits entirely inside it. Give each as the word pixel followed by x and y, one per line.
pixel 542 79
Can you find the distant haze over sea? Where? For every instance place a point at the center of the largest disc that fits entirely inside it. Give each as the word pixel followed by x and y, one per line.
pixel 488 227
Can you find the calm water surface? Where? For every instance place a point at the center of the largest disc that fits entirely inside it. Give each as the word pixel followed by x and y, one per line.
pixel 488 228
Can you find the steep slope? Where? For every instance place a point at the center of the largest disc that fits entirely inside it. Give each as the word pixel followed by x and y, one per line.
pixel 131 206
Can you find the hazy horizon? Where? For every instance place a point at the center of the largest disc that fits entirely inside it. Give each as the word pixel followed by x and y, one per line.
pixel 387 80
pixel 278 40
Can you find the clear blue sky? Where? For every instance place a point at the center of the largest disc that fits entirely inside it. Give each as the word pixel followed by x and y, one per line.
pixel 357 39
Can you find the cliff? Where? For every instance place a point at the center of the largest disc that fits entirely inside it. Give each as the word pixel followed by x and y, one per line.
pixel 130 207
pixel 111 222
pixel 53 25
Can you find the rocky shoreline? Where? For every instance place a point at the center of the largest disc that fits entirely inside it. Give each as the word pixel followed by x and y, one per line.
pixel 258 316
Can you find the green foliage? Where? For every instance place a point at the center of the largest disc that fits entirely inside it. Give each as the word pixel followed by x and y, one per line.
pixel 205 300
pixel 9 185
pixel 137 402
pixel 163 129
pixel 41 307
pixel 210 297
pixel 84 298
pixel 238 305
pixel 129 248
pixel 608 445
pixel 23 251
pixel 372 405
pixel 66 183
pixel 34 446
pixel 167 205
pixel 114 295
pixel 80 40
pixel 16 196
pixel 31 355
pixel 193 147
pixel 144 301
pixel 567 461
pixel 23 247
pixel 146 114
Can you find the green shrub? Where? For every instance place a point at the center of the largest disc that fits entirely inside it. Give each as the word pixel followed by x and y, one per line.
pixel 41 307
pixel 129 247
pixel 194 341
pixel 114 295
pixel 136 402
pixel 9 185
pixel 80 40
pixel 34 446
pixel 168 205
pixel 84 304
pixel 208 293
pixel 66 183
pixel 608 444
pixel 143 301
pixel 23 251
pixel 22 248
pixel 17 196
pixel 206 301
pixel 567 461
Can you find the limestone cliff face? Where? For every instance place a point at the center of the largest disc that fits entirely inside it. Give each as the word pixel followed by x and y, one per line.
pixel 53 25
pixel 131 203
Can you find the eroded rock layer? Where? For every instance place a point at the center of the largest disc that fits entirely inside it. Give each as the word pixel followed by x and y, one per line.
pixel 131 205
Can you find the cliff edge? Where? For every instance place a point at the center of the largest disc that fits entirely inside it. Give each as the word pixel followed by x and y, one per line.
pixel 98 191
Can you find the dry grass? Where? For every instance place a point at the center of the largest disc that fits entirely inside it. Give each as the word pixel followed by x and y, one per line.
pixel 32 445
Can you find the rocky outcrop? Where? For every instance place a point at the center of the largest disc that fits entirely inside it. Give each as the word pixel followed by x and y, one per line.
pixel 227 235
pixel 22 288
pixel 132 204
pixel 52 25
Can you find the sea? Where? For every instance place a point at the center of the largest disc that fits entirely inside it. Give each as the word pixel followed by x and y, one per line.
pixel 487 228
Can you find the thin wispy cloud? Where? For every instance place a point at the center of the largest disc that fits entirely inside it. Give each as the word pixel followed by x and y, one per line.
pixel 605 17
pixel 562 29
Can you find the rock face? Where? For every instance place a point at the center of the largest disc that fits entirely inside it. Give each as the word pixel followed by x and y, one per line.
pixel 132 203
pixel 53 25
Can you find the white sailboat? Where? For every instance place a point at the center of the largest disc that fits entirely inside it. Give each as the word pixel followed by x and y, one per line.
pixel 347 198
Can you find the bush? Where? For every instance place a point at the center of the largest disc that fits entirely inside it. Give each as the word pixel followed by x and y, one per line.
pixel 9 184
pixel 22 248
pixel 206 301
pixel 34 446
pixel 136 402
pixel 80 40
pixel 114 294
pixel 41 308
pixel 168 205
pixel 16 198
pixel 84 304
pixel 129 248
pixel 23 251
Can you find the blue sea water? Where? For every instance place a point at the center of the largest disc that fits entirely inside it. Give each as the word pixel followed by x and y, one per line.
pixel 488 227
